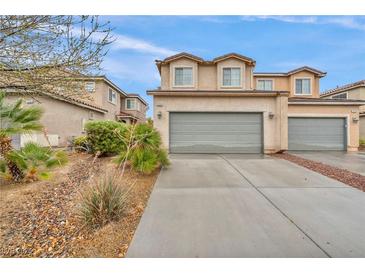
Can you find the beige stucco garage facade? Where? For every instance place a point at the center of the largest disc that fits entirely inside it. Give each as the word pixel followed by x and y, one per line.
pixel 343 110
pixel 274 128
pixel 228 84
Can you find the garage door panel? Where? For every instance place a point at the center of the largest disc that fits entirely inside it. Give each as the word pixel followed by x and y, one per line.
pixel 215 133
pixel 317 133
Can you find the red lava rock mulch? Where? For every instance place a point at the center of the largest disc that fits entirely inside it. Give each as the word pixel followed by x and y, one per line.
pixel 343 175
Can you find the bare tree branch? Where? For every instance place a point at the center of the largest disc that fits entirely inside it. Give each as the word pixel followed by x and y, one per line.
pixel 45 53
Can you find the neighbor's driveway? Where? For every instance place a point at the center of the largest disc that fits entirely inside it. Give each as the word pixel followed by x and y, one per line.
pixel 249 206
pixel 352 161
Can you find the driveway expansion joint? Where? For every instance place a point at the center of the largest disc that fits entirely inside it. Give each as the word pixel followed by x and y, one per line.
pixel 274 205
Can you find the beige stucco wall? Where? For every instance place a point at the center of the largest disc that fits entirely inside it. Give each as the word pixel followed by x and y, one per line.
pixel 362 127
pixel 207 77
pixel 348 112
pixel 275 130
pixel 62 118
pixel 100 97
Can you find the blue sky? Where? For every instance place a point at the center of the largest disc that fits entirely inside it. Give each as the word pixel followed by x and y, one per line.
pixel 335 44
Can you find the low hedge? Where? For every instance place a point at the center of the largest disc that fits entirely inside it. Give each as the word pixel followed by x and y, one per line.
pixel 105 137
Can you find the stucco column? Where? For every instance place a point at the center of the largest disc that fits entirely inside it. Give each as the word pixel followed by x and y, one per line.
pixel 282 121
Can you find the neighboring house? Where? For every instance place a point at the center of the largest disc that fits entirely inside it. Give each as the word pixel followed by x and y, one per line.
pixel 65 116
pixel 354 91
pixel 223 106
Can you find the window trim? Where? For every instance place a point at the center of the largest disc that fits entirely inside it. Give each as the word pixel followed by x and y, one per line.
pixel 183 86
pixel 111 101
pixel 266 79
pixel 86 83
pixel 310 86
pixel 242 71
pixel 340 93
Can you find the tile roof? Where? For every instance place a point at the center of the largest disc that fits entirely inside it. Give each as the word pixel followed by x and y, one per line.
pixel 315 71
pixel 343 88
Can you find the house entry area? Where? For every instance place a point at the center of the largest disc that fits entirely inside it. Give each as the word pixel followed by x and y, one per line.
pixel 215 132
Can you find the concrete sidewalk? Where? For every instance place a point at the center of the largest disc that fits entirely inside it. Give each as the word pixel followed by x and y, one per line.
pixel 248 206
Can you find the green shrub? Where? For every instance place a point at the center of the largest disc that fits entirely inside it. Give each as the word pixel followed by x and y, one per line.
pixel 143 149
pixel 81 144
pixel 103 203
pixel 105 137
pixel 36 162
pixel 362 142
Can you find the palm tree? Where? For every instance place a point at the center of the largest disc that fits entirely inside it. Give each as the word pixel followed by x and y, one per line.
pixel 15 119
pixel 37 161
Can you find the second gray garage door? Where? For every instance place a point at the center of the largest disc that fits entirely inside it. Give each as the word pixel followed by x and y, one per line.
pixel 215 132
pixel 317 133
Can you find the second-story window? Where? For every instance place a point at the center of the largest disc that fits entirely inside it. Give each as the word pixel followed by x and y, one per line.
pixel 184 76
pixel 265 84
pixel 90 87
pixel 130 104
pixel 112 96
pixel 231 77
pixel 303 86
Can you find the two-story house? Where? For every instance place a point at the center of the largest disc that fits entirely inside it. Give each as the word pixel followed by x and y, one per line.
pixel 65 116
pixel 354 91
pixel 223 106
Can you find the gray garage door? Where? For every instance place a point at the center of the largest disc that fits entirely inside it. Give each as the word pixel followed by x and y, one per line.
pixel 215 132
pixel 317 133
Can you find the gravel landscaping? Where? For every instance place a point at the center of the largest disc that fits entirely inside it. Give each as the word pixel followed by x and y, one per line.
pixel 40 219
pixel 342 175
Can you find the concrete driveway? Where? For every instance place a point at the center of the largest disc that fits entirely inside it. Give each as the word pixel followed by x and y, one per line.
pixel 352 161
pixel 249 206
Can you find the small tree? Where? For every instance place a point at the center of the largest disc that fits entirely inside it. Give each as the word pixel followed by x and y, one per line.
pixel 15 119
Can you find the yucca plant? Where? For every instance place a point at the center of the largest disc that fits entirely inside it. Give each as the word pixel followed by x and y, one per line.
pixel 36 162
pixel 143 149
pixel 103 202
pixel 15 119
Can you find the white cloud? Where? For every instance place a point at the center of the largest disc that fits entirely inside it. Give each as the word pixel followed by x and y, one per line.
pixel 140 69
pixel 125 42
pixel 352 22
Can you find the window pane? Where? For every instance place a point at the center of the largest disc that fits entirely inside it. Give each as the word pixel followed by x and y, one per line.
pixel 231 77
pixel 340 96
pixel 187 76
pixel 183 76
pixel 235 77
pixel 268 85
pixel 226 77
pixel 261 85
pixel 110 95
pixel 265 85
pixel 178 76
pixel 306 86
pixel 298 86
